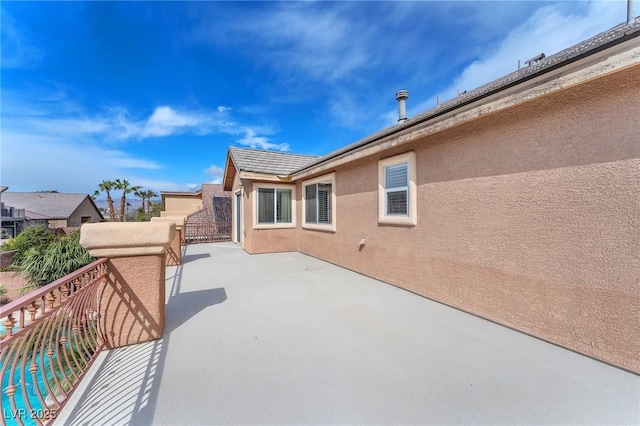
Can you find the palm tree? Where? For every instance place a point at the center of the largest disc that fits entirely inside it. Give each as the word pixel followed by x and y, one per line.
pixel 146 196
pixel 143 196
pixel 126 188
pixel 150 193
pixel 107 186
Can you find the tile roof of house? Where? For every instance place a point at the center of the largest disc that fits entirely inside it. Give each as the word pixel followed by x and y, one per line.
pixel 49 204
pixel 29 215
pixel 270 162
pixel 595 44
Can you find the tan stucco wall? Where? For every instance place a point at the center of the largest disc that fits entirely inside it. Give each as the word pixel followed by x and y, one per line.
pixel 174 251
pixel 261 240
pixel 528 217
pixel 58 223
pixel 175 203
pixel 132 305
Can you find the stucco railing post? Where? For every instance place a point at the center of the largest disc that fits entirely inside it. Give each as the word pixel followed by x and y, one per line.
pixel 132 306
pixel 174 253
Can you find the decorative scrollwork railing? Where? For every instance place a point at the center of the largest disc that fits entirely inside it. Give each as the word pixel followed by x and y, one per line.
pixel 49 340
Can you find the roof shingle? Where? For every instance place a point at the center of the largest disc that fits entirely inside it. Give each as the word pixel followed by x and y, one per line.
pixel 270 162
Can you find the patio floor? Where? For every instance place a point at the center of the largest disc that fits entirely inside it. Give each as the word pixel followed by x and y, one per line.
pixel 288 339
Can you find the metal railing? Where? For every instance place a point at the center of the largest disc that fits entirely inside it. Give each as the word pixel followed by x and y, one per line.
pixel 207 232
pixel 50 338
pixel 10 212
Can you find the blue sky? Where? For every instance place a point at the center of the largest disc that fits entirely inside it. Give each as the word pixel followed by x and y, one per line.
pixel 155 92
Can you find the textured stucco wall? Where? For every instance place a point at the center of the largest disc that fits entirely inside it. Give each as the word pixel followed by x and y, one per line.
pixel 174 251
pixel 175 203
pixel 262 240
pixel 528 217
pixel 133 301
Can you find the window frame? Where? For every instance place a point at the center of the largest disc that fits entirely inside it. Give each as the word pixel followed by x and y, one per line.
pixel 328 227
pixel 410 219
pixel 275 187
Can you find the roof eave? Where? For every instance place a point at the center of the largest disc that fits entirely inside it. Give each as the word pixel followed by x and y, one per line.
pixel 229 172
pixel 269 177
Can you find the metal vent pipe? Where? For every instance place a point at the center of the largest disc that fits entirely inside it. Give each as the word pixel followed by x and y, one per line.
pixel 402 97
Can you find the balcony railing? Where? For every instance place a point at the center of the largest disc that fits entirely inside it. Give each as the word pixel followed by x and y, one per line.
pixel 10 212
pixel 50 338
pixel 206 232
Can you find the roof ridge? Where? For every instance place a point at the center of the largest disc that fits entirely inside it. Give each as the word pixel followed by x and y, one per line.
pixel 273 152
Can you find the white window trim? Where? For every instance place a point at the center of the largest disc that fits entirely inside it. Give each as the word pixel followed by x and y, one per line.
pixel 412 214
pixel 254 191
pixel 329 227
pixel 234 213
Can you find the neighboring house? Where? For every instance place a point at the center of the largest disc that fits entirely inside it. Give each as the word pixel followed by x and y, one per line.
pixel 12 219
pixel 181 202
pixel 54 210
pixel 516 201
pixel 207 212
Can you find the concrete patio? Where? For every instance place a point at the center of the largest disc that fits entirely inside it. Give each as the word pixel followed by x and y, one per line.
pixel 288 339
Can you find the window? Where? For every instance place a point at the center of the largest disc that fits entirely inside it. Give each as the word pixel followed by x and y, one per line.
pixel 397 190
pixel 274 206
pixel 319 203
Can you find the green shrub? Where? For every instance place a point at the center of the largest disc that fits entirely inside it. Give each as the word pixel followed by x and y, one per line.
pixel 35 237
pixel 59 258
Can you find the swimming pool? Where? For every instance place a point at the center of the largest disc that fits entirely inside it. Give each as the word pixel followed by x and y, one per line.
pixel 36 407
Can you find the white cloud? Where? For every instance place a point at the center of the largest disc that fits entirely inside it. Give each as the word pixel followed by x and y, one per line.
pixel 252 141
pixel 48 138
pixel 301 40
pixel 549 29
pixel 17 50
pixel 166 121
pixel 31 161
pixel 216 172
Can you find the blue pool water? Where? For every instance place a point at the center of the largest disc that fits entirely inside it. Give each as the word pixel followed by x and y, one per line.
pixel 8 416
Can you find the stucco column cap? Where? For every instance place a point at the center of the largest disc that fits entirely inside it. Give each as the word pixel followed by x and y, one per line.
pixel 177 214
pixel 178 220
pixel 124 239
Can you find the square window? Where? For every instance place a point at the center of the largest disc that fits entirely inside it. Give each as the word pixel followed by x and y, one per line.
pixel 397 190
pixel 274 206
pixel 319 203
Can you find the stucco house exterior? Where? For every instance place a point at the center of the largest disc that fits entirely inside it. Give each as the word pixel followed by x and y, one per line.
pixel 207 212
pixel 54 210
pixel 183 202
pixel 517 201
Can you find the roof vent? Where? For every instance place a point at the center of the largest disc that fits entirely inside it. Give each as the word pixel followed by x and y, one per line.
pixel 535 59
pixel 402 97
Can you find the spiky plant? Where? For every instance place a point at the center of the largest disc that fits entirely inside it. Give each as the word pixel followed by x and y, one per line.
pixel 61 257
